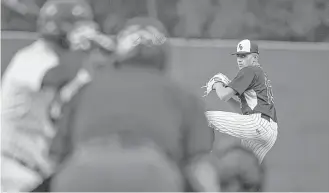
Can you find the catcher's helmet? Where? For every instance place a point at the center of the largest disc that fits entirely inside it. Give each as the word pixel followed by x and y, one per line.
pixel 58 18
pixel 143 40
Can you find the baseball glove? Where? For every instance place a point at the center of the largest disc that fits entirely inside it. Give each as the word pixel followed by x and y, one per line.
pixel 215 79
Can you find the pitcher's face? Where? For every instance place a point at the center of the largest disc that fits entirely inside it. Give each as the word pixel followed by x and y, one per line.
pixel 244 60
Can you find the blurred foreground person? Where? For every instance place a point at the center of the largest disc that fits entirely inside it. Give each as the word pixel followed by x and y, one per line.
pixel 131 129
pixel 239 170
pixel 30 83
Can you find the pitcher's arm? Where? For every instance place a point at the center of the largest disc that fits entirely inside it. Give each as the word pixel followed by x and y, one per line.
pixel 227 94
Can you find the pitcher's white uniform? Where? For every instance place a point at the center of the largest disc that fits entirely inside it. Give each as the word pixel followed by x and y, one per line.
pixel 26 129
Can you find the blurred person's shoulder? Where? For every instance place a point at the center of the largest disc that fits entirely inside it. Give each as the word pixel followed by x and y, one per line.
pixel 30 64
pixel 37 51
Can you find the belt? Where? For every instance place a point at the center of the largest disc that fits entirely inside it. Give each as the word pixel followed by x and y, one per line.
pixel 264 116
pixel 31 167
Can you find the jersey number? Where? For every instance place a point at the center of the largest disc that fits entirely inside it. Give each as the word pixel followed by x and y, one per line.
pixel 270 98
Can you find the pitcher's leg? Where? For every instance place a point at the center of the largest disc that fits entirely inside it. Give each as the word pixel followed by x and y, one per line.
pixel 261 149
pixel 256 133
pixel 273 133
pixel 256 147
pixel 247 127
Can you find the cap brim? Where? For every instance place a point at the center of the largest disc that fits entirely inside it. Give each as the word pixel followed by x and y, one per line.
pixel 236 53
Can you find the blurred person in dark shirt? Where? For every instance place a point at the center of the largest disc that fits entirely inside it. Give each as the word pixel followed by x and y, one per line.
pixel 131 128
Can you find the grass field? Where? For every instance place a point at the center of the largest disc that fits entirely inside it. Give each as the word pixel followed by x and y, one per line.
pixel 299 160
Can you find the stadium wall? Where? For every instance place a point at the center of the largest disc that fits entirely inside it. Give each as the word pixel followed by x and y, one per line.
pixel 299 75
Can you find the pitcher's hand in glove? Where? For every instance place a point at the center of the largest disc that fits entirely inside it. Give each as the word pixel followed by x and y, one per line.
pixel 215 79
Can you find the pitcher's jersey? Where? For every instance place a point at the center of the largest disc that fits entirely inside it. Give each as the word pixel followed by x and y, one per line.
pixel 254 91
pixel 25 123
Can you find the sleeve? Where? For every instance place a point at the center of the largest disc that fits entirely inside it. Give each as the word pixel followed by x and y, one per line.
pixel 243 80
pixel 199 137
pixel 31 75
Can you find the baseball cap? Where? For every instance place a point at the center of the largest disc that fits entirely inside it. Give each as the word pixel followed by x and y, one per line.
pixel 246 47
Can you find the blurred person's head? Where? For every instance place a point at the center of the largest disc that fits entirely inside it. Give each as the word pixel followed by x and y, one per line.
pixel 142 42
pixel 69 25
pixel 239 170
pixel 247 54
pixel 62 22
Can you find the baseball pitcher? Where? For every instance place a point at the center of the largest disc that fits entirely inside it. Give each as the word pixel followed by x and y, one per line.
pixel 250 94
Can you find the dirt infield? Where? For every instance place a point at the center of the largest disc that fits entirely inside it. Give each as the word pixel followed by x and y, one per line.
pixel 300 157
